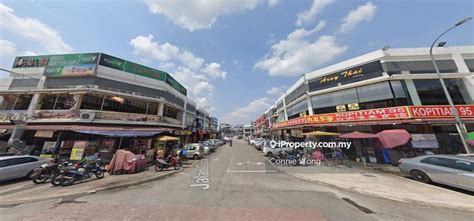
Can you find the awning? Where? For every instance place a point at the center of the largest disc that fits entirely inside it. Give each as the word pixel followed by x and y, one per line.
pixel 167 138
pixel 320 133
pixel 121 133
pixel 97 128
pixel 393 138
pixel 357 135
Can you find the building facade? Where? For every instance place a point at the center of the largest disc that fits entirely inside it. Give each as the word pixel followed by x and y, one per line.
pixel 384 89
pixel 71 96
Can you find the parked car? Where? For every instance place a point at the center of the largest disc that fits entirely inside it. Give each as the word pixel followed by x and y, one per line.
pixel 209 145
pixel 194 150
pixel 456 171
pixel 207 151
pixel 13 167
pixel 269 151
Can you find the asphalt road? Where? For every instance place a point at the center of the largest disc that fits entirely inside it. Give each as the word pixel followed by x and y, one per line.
pixel 234 183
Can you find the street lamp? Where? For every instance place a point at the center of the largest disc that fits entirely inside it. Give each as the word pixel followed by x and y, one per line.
pixel 459 126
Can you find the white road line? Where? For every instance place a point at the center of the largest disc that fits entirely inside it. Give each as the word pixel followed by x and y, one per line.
pixel 252 171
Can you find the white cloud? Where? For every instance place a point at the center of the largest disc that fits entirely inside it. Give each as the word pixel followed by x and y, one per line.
pixel 7 48
pixel 297 55
pixel 198 14
pixel 272 3
pixel 214 70
pixel 360 14
pixel 190 70
pixel 33 29
pixel 276 91
pixel 309 15
pixel 247 113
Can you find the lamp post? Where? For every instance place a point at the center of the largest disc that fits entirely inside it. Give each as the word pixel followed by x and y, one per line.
pixel 459 125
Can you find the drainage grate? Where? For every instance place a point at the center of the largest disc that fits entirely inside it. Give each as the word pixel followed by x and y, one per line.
pixel 361 208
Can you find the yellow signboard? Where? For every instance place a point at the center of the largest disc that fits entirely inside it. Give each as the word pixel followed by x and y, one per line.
pixel 76 153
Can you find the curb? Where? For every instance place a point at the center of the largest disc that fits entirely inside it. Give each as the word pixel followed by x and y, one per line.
pixel 414 201
pixel 83 193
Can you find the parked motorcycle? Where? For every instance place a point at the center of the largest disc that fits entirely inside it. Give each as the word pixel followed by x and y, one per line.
pixel 172 161
pixel 56 181
pixel 47 172
pixel 84 172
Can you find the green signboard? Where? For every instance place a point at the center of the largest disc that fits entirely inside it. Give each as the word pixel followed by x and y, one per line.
pixel 134 68
pixel 60 65
pixel 175 84
pixel 138 69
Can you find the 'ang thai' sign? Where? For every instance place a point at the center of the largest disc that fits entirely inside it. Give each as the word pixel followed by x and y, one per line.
pixel 362 72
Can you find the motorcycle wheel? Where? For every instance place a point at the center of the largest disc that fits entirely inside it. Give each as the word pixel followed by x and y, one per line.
pixel 99 174
pixel 41 178
pixel 159 167
pixel 56 181
pixel 177 166
pixel 66 181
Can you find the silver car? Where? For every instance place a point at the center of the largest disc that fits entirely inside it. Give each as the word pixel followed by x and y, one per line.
pixel 456 171
pixel 13 167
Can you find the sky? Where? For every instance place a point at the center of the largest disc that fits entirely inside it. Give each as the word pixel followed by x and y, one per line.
pixel 237 56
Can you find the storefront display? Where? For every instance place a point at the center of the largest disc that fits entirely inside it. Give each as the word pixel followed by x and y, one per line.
pixel 48 149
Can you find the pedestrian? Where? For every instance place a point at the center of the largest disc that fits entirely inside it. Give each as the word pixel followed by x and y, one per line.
pixel 160 154
pixel 230 142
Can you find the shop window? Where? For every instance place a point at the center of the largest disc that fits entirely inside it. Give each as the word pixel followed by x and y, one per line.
pixel 16 102
pixel 421 67
pixel 57 102
pixel 171 112
pixel 91 102
pixel 374 92
pixel 431 93
pixel 297 108
pixel 335 98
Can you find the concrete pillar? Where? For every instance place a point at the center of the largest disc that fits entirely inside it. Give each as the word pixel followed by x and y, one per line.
pixel 284 107
pixel 183 118
pixel 161 107
pixel 77 101
pixel 310 105
pixel 412 90
pixel 35 100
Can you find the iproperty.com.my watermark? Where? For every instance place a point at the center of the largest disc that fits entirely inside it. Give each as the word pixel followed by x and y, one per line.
pixel 311 144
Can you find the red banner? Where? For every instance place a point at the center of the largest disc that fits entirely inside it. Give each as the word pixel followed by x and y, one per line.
pixel 435 111
pixel 291 122
pixel 362 115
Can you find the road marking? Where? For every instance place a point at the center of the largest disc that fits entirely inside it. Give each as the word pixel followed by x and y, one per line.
pixel 252 171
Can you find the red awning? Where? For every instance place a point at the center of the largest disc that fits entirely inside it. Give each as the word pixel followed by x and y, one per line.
pixel 393 138
pixel 357 135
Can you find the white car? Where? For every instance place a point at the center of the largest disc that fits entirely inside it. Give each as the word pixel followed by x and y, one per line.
pixel 271 151
pixel 207 151
pixel 13 167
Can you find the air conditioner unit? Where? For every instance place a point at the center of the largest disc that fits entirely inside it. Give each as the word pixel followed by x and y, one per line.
pixel 87 116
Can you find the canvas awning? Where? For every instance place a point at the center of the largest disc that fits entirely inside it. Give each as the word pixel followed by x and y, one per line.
pixel 393 138
pixel 121 133
pixel 167 138
pixel 320 133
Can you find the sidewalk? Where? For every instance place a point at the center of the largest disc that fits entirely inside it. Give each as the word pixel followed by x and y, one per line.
pixel 27 191
pixel 383 185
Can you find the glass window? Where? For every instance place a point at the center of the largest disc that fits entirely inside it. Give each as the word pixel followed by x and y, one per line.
pixel 57 102
pixel 464 165
pixel 421 67
pixel 335 98
pixel 297 108
pixel 431 93
pixel 374 92
pixel 438 161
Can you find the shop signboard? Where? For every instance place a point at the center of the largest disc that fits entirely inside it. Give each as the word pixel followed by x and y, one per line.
pixel 437 111
pixel 359 73
pixel 48 149
pixel 291 122
pixel 175 84
pixel 424 141
pixel 389 113
pixel 131 67
pixel 341 108
pixel 78 150
pixel 60 65
pixel 353 106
